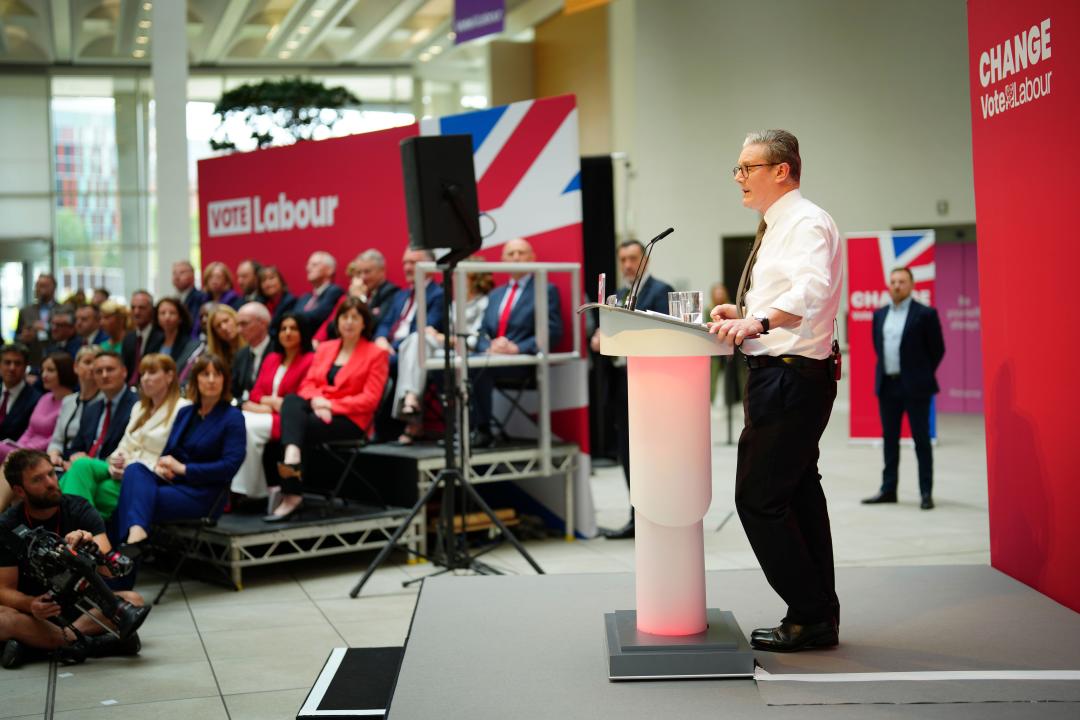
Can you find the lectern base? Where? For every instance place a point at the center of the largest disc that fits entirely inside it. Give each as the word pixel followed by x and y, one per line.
pixel 720 651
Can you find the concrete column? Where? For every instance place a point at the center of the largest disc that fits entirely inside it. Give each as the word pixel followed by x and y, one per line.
pixel 169 69
pixel 131 185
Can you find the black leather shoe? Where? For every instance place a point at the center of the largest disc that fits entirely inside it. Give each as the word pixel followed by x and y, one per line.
pixel 927 503
pixel 99 646
pixel 789 637
pixel 273 518
pixel 481 439
pixel 626 532
pixel 13 655
pixel 881 497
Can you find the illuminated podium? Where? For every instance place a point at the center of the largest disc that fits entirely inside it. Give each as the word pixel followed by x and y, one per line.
pixel 671 633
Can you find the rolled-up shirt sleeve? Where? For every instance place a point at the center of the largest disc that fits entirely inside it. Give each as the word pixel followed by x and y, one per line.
pixel 811 282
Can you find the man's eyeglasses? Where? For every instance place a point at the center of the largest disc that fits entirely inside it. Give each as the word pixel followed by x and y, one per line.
pixel 744 170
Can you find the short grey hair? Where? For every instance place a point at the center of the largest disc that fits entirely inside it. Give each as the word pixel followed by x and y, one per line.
pixel 780 147
pixel 372 255
pixel 256 310
pixel 326 259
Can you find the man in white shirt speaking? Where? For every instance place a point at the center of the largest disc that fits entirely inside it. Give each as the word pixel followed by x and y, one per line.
pixel 783 319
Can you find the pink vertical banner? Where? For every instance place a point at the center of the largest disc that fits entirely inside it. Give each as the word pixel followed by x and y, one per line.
pixel 960 374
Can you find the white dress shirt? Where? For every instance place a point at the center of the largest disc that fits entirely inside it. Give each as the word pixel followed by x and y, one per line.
pixel 799 270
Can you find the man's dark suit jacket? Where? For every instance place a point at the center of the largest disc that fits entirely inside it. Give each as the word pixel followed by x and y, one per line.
pixel 316 316
pixel 243 378
pixel 922 347
pixel 88 425
pixel 71 347
pixel 18 415
pixel 652 295
pixel 194 302
pixel 433 301
pixel 286 304
pixel 380 300
pixel 521 326
pixel 131 342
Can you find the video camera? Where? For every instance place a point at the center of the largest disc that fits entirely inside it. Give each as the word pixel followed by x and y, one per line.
pixel 73 579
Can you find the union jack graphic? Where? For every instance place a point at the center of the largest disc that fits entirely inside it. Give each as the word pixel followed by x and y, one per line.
pixel 912 249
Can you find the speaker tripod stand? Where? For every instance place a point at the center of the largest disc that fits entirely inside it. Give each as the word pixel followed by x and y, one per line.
pixel 451 548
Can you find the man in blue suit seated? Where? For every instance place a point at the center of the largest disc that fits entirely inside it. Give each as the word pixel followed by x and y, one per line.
pixel 399 318
pixel 104 421
pixel 509 328
pixel 17 397
pixel 652 295
pixel 909 346
pixel 315 306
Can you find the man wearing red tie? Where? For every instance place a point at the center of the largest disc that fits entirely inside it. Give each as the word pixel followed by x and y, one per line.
pixel 104 421
pixel 509 328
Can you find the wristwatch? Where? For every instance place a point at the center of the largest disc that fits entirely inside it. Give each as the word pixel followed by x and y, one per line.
pixel 764 320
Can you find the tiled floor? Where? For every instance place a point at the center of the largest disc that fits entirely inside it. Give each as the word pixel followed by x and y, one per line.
pixel 209 653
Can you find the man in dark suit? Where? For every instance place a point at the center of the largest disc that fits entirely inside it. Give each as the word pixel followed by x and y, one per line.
pixel 909 347
pixel 17 397
pixel 509 328
pixel 104 421
pixel 652 295
pixel 247 280
pixel 183 280
pixel 380 292
pixel 88 325
pixel 317 304
pixel 253 322
pixel 31 329
pixel 399 319
pixel 62 332
pixel 144 338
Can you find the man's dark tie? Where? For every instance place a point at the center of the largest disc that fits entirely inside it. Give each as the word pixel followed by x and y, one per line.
pixel 744 280
pixel 4 404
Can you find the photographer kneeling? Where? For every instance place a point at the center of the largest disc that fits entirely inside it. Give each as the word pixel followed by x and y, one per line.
pixel 31 616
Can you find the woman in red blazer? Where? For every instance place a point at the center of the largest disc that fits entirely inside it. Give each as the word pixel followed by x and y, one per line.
pixel 337 399
pixel 281 374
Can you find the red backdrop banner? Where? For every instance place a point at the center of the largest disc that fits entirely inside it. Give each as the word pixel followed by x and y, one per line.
pixel 871 258
pixel 1025 99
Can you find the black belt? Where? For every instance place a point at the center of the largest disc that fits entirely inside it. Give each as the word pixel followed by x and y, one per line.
pixel 892 377
pixel 763 361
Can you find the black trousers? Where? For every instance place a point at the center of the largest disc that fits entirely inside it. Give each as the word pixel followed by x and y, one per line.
pixel 483 381
pixel 778 489
pixel 619 402
pixel 893 402
pixel 300 425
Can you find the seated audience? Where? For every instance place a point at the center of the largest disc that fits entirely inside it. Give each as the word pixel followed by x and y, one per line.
pixel 114 323
pixel 17 397
pixel 337 399
pixel 378 291
pixel 62 335
pixel 276 295
pixel 399 318
pixel 253 324
pixel 247 280
pixel 411 378
pixel 203 453
pixel 315 306
pixel 100 297
pixel 509 328
pixel 104 420
pixel 144 338
pixel 281 374
pixel 151 421
pixel 183 279
pixel 88 325
pixel 219 286
pixel 26 605
pixel 67 422
pixel 173 321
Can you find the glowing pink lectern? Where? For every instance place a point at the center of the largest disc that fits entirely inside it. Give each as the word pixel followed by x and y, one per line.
pixel 671 633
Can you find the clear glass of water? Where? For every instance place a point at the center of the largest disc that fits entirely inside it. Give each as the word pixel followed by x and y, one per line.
pixel 687 306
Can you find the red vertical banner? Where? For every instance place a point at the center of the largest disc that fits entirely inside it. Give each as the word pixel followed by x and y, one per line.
pixel 1024 75
pixel 871 258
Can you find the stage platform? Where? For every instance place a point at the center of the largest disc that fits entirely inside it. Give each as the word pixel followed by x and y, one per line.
pixel 940 642
pixel 241 541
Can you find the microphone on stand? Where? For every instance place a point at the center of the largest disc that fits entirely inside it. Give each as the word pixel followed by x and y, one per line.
pixel 631 297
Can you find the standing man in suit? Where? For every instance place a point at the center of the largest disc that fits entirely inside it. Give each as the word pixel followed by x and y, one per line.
pixel 104 421
pixel 253 322
pixel 32 327
pixel 783 317
pixel 378 291
pixel 144 338
pixel 509 328
pixel 17 397
pixel 315 306
pixel 652 295
pixel 183 280
pixel 909 346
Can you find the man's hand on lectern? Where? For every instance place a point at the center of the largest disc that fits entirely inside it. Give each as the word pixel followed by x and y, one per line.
pixel 724 312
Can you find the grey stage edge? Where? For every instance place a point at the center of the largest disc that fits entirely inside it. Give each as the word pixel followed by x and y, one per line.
pixel 533 647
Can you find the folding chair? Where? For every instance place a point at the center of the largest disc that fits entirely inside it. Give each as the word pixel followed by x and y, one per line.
pixel 189 548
